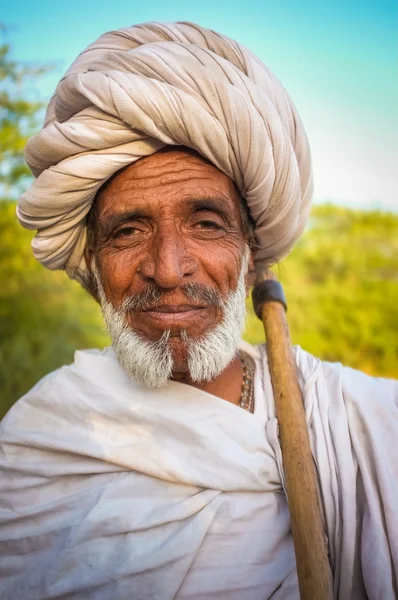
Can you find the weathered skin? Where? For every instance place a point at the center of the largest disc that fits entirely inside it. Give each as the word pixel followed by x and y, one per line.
pixel 170 242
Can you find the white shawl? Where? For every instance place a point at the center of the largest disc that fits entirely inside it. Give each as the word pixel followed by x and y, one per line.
pixel 109 492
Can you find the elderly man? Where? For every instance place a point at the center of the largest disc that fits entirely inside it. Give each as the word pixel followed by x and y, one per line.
pixel 171 162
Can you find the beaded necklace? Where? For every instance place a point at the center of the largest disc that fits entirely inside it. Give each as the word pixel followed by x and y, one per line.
pixel 247 396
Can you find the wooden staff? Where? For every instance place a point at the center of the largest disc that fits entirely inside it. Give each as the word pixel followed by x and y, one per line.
pixel 313 569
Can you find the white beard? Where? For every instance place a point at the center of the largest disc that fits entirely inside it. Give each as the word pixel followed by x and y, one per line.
pixel 150 364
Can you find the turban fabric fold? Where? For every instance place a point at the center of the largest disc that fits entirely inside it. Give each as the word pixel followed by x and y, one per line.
pixel 134 91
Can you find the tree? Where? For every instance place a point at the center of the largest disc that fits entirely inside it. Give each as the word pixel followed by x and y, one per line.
pixel 19 118
pixel 341 285
pixel 44 317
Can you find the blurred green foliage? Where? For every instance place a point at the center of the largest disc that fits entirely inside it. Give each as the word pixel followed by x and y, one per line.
pixel 341 282
pixel 44 317
pixel 19 117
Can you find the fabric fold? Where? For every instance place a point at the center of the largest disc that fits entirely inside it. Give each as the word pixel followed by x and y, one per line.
pixel 110 492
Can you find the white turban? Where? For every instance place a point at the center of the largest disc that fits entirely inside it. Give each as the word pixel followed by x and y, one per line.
pixel 138 89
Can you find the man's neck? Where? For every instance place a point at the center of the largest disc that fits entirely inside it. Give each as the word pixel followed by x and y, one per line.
pixel 227 386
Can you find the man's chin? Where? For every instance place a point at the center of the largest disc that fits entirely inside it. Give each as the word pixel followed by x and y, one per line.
pixel 177 344
pixel 179 351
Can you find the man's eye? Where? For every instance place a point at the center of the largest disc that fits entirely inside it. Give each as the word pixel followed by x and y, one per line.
pixel 209 225
pixel 125 232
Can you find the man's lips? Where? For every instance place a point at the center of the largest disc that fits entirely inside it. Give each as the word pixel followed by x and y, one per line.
pixel 173 314
pixel 173 308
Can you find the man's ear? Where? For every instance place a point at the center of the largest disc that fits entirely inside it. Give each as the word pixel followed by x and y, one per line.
pixel 88 256
pixel 250 275
pixel 91 284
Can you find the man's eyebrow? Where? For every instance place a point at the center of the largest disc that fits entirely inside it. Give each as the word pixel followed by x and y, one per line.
pixel 218 205
pixel 108 223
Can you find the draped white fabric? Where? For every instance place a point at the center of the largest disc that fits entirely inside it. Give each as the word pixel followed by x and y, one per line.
pixel 109 492
pixel 138 89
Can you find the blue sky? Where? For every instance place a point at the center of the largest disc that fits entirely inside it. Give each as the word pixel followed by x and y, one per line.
pixel 338 60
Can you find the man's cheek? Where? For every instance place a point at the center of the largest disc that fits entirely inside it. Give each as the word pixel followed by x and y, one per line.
pixel 118 281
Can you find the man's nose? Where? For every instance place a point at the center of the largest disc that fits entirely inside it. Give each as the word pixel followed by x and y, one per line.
pixel 168 263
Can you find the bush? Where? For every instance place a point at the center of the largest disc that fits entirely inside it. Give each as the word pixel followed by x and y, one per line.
pixel 340 282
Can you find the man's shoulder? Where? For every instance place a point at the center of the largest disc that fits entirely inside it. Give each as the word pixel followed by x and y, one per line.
pixel 359 392
pixel 83 362
pixel 86 371
pixel 354 387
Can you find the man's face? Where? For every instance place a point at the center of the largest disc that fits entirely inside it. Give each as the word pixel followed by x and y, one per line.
pixel 166 221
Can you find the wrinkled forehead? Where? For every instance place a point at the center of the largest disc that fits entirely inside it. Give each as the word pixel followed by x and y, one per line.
pixel 172 163
pixel 179 171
